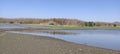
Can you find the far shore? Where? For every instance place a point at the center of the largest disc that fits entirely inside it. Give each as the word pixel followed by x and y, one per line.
pixel 64 27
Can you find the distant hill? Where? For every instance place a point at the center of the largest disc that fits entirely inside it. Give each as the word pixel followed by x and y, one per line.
pixel 57 21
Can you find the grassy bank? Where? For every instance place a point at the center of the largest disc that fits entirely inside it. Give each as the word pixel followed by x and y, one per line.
pixel 69 27
pixel 75 27
pixel 85 27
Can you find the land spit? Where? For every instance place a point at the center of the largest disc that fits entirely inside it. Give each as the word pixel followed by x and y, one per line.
pixel 12 43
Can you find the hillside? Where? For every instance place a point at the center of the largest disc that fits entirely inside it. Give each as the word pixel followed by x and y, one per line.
pixel 56 21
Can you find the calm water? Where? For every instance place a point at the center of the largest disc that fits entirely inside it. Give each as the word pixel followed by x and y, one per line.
pixel 109 39
pixel 12 27
pixel 18 26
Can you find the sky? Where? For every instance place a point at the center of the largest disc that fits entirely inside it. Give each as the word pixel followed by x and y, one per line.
pixel 86 10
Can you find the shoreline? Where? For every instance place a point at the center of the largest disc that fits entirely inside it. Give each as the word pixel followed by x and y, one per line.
pixel 59 40
pixel 54 27
pixel 12 43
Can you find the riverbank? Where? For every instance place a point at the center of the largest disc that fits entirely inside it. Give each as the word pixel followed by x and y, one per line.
pixel 87 27
pixel 11 43
pixel 63 27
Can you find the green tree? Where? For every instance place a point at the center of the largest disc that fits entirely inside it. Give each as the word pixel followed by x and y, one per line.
pixel 114 25
pixel 91 24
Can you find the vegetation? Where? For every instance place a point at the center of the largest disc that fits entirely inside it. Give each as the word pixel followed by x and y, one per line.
pixel 85 27
pixel 61 23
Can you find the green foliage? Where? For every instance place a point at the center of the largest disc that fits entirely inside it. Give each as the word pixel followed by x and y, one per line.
pixel 86 27
pixel 51 24
pixel 114 25
pixel 90 24
pixel 71 23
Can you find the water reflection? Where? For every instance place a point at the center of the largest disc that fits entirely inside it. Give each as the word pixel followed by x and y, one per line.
pixel 99 38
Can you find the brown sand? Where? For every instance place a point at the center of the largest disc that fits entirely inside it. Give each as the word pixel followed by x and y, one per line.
pixel 11 43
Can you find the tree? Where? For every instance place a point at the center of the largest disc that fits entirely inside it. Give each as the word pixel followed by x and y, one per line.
pixel 11 22
pixel 86 23
pixel 91 24
pixel 114 25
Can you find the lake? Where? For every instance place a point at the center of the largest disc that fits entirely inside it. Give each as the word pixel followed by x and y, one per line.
pixel 21 26
pixel 109 39
pixel 11 27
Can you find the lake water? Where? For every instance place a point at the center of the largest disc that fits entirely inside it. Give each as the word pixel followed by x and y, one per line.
pixel 109 39
pixel 11 27
pixel 20 26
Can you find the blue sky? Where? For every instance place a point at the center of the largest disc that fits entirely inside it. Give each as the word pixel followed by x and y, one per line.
pixel 86 10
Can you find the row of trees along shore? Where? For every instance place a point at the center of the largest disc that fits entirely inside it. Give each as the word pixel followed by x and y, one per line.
pixel 56 21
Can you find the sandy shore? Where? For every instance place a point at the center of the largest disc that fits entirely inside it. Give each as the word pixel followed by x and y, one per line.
pixel 11 43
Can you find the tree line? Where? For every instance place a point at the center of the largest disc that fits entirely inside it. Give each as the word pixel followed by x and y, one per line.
pixel 55 21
